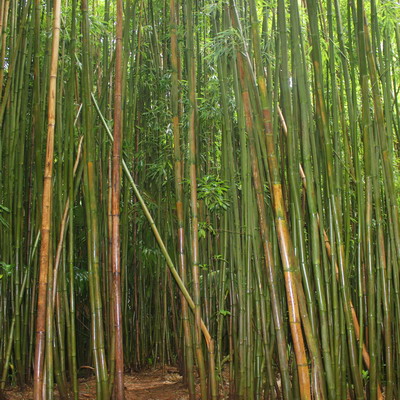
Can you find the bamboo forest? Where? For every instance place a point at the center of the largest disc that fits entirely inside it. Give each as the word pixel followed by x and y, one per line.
pixel 202 189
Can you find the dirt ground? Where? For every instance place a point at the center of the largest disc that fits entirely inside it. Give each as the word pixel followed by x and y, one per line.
pixel 156 384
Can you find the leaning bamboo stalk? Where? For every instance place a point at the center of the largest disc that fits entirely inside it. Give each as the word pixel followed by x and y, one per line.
pixel 163 248
pixel 46 210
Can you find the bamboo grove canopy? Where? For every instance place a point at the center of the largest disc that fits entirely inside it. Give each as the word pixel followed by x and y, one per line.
pixel 212 184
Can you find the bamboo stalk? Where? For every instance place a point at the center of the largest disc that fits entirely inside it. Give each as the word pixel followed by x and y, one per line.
pixel 179 196
pixel 115 210
pixel 46 211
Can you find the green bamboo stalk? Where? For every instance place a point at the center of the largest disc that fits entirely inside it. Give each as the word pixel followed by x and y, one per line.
pixel 179 195
pixel 191 70
pixel 92 219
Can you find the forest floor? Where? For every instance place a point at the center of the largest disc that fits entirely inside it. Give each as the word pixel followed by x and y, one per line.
pixel 155 384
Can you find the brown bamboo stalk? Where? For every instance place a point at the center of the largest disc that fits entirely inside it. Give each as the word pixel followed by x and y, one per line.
pixel 115 209
pixel 46 210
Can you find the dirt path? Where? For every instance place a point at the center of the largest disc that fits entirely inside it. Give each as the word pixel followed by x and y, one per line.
pixel 148 385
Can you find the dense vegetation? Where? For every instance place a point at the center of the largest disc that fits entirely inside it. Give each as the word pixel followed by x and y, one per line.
pixel 244 220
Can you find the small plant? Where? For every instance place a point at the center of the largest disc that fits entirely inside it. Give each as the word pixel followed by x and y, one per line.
pixel 6 269
pixel 205 227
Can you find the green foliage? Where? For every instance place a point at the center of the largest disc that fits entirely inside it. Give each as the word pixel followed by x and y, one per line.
pixel 213 191
pixel 204 267
pixel 219 257
pixel 205 227
pixel 81 280
pixel 160 170
pixel 223 44
pixel 389 11
pixel 365 375
pixel 7 269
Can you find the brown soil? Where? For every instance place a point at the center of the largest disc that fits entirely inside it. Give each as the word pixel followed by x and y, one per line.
pixel 157 384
